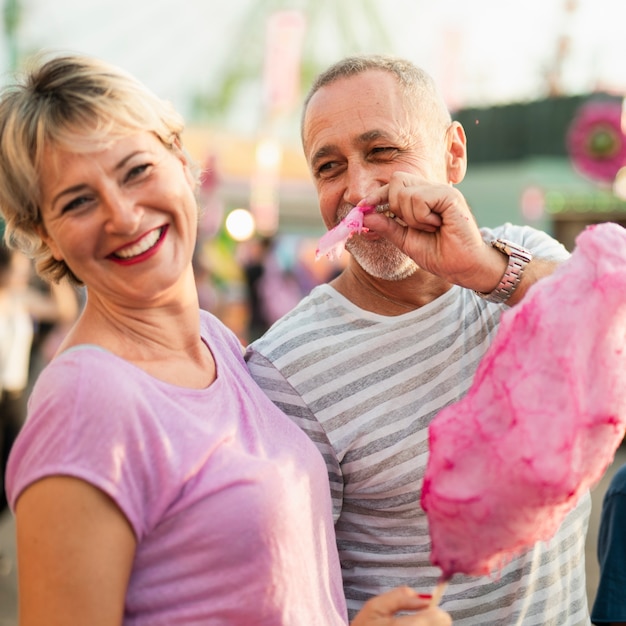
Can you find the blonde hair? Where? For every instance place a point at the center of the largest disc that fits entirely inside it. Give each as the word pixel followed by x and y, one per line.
pixel 76 102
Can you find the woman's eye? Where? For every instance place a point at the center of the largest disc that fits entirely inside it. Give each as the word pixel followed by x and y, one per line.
pixel 137 171
pixel 75 203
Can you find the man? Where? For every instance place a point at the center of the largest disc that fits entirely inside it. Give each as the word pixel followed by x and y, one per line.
pixel 364 363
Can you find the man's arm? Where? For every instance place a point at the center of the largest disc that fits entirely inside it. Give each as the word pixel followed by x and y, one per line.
pixel 534 271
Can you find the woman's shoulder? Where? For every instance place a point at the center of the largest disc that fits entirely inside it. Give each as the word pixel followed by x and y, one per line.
pixel 214 331
pixel 87 380
pixel 86 362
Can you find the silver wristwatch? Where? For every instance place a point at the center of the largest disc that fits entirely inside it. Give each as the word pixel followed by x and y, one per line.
pixel 519 257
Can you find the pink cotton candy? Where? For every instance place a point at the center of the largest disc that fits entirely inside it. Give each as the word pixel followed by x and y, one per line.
pixel 543 417
pixel 333 243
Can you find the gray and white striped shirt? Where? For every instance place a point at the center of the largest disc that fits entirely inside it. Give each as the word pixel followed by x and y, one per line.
pixel 365 387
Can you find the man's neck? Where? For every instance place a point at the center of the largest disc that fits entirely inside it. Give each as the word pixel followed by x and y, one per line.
pixel 389 297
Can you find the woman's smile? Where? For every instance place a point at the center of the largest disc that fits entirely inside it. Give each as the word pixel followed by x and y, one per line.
pixel 141 249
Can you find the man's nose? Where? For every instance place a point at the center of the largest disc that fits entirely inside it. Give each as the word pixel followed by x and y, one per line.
pixel 360 182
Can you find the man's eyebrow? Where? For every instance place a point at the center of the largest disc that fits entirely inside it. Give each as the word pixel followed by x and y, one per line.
pixel 363 138
pixel 371 135
pixel 323 152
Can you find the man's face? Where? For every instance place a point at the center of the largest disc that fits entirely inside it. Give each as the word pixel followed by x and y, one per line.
pixel 358 131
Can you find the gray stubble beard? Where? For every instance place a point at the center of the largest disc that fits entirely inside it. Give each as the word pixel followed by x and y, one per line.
pixel 381 259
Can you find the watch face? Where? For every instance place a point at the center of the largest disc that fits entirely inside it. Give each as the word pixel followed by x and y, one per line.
pixel 503 246
pixel 512 249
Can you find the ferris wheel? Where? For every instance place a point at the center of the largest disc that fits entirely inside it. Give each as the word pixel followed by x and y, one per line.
pixel 327 31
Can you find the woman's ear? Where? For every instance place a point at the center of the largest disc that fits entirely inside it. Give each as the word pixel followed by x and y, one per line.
pixel 456 144
pixel 178 150
pixel 48 241
pixel 183 157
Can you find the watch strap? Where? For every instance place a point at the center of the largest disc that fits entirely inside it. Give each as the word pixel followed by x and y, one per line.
pixel 519 257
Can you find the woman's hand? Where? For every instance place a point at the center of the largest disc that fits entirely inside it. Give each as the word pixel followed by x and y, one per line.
pixel 381 610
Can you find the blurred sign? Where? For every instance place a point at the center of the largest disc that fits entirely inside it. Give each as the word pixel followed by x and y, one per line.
pixel 264 186
pixel 532 203
pixel 283 51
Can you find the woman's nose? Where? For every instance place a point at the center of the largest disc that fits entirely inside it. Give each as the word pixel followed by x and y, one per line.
pixel 123 214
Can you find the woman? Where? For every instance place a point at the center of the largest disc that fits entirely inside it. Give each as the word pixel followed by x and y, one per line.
pixel 153 482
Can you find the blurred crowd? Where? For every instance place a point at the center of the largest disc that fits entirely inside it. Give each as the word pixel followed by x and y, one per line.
pixel 251 284
pixel 34 317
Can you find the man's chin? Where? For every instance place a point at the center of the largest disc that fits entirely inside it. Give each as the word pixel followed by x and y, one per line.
pixel 381 259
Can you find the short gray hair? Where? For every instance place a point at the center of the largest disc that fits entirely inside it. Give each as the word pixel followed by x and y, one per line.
pixel 416 84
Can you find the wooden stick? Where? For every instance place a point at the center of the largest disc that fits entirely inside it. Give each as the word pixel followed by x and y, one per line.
pixel 438 593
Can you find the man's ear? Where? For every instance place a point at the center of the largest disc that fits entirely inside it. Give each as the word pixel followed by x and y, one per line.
pixel 48 241
pixel 456 144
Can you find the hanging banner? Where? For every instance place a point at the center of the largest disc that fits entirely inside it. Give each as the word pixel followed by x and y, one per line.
pixel 283 52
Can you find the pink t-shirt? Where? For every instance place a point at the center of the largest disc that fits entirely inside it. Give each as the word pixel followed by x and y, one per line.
pixel 228 499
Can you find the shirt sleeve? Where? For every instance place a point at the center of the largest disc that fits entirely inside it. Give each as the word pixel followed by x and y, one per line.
pixel 542 245
pixel 82 424
pixel 289 401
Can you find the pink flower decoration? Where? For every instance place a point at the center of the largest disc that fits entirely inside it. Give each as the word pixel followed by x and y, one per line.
pixel 596 141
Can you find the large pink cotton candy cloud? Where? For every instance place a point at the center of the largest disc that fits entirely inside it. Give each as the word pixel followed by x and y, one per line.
pixel 543 417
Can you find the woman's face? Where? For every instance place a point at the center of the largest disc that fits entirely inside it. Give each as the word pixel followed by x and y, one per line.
pixel 123 219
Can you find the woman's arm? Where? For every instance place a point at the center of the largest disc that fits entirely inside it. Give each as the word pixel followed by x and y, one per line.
pixel 75 551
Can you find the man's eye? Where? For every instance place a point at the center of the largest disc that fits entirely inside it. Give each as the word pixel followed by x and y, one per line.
pixel 383 150
pixel 326 169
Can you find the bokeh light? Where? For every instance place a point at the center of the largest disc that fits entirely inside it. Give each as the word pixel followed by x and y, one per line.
pixel 240 224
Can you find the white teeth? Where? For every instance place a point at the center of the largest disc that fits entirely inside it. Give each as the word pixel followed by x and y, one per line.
pixel 141 246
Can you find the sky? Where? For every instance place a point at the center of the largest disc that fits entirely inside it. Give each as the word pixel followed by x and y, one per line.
pixel 481 52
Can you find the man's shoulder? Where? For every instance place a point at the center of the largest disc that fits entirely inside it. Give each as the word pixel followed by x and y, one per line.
pixel 511 231
pixel 539 242
pixel 313 330
pixel 302 316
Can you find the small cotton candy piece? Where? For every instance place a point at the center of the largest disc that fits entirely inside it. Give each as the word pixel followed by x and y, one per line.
pixel 542 420
pixel 333 243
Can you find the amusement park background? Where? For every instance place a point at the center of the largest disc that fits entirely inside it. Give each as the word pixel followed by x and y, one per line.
pixel 539 87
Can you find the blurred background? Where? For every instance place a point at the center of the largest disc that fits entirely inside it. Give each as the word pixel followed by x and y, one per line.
pixel 539 87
